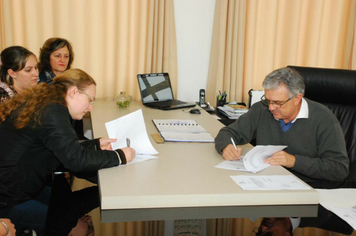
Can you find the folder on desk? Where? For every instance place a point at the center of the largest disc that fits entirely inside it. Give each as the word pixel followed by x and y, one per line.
pixel 182 131
pixel 233 112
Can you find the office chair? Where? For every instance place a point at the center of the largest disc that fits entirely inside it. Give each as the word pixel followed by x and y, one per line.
pixel 336 89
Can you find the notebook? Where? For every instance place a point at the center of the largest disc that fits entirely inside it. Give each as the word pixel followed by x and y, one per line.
pixel 182 131
pixel 156 92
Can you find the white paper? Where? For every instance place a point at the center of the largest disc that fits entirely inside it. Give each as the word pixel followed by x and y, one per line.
pixel 131 126
pixel 347 214
pixel 253 161
pixel 232 165
pixel 341 202
pixel 141 158
pixel 269 182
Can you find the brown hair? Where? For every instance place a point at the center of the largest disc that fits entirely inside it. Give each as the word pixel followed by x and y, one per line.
pixel 14 58
pixel 29 105
pixel 51 45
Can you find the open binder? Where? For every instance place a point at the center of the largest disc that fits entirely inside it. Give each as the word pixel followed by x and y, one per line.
pixel 182 131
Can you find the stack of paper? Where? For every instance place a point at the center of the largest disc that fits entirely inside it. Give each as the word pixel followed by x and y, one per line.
pixel 232 112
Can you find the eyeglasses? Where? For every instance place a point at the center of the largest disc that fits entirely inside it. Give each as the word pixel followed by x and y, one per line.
pixel 91 99
pixel 274 103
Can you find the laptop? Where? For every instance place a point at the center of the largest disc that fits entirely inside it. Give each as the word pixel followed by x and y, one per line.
pixel 156 92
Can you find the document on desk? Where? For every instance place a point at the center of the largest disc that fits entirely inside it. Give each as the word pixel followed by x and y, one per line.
pixel 132 127
pixel 233 112
pixel 253 161
pixel 341 202
pixel 182 131
pixel 141 158
pixel 269 182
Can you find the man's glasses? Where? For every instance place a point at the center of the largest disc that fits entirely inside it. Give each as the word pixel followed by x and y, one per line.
pixel 274 103
pixel 91 99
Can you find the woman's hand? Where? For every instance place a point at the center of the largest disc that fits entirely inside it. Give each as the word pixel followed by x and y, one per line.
pixel 129 153
pixel 105 143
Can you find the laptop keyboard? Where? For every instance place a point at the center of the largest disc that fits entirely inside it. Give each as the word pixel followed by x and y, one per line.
pixel 169 103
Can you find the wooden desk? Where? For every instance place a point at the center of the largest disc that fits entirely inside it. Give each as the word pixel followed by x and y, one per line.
pixel 183 183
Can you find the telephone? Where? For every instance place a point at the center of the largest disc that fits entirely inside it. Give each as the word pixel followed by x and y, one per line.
pixel 202 98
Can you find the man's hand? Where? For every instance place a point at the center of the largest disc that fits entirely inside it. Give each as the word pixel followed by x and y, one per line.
pixel 10 226
pixel 129 153
pixel 281 158
pixel 105 143
pixel 229 153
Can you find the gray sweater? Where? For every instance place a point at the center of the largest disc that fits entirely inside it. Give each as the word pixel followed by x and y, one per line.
pixel 317 142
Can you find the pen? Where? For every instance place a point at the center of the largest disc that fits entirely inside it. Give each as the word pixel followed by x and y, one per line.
pixel 233 143
pixel 128 142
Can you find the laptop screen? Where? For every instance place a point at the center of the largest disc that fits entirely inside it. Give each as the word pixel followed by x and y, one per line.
pixel 155 87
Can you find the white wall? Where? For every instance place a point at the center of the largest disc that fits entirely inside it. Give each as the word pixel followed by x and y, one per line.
pixel 194 23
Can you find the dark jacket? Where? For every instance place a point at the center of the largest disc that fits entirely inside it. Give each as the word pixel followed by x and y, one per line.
pixel 29 155
pixel 317 141
pixel 47 77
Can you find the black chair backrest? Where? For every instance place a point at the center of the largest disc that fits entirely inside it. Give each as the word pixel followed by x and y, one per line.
pixel 335 88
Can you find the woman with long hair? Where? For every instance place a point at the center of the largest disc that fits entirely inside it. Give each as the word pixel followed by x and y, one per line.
pixel 37 136
pixel 18 71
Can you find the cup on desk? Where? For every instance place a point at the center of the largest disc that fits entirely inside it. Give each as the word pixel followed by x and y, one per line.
pixel 220 102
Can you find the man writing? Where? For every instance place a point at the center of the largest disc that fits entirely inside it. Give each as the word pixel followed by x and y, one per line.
pixel 316 150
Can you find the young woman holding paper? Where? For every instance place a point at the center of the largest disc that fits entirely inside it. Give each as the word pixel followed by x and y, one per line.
pixel 37 125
